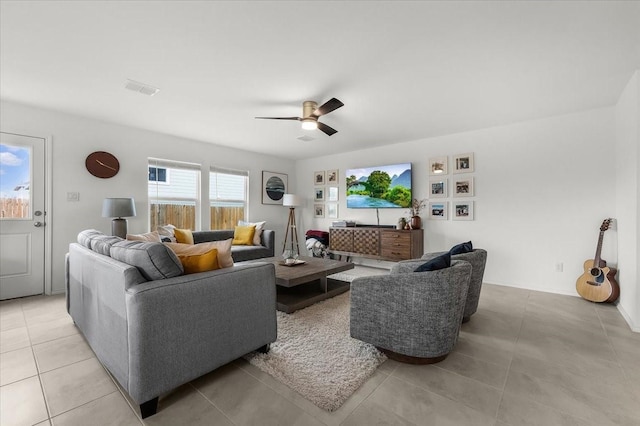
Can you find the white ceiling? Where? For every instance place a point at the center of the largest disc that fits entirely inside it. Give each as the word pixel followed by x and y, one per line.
pixel 405 70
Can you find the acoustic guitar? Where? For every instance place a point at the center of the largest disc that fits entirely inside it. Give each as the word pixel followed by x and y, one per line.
pixel 598 282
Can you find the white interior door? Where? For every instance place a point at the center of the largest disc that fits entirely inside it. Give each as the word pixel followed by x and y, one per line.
pixel 22 216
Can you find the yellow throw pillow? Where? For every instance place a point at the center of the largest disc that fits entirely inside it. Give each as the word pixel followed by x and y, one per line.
pixel 257 241
pixel 195 258
pixel 223 246
pixel 243 235
pixel 152 237
pixel 184 236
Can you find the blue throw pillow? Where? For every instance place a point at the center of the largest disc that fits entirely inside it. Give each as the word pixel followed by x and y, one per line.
pixel 461 248
pixel 438 262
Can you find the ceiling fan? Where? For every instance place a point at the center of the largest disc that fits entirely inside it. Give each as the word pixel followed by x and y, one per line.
pixel 310 114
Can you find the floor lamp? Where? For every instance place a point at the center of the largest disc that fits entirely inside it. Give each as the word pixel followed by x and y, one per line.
pixel 291 201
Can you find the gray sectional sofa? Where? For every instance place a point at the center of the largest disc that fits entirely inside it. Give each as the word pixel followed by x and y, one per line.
pixel 240 253
pixel 155 329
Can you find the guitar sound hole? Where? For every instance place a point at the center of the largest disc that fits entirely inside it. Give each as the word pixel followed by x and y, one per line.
pixel 595 272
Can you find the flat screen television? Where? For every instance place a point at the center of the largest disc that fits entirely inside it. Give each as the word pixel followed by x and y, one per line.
pixel 379 187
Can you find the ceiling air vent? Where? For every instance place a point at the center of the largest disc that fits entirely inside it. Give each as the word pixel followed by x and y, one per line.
pixel 306 138
pixel 145 89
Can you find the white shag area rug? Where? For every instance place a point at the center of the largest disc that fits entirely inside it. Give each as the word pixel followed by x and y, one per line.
pixel 315 356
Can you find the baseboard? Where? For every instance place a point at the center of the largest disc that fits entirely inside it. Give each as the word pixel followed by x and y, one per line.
pixel 634 327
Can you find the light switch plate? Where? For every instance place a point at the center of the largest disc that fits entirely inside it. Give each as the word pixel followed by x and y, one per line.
pixel 73 196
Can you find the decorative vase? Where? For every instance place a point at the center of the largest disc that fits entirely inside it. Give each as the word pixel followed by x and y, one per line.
pixel 416 222
pixel 401 223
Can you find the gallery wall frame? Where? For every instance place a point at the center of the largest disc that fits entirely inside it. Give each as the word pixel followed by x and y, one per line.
pixel 332 210
pixel 462 210
pixel 332 177
pixel 318 210
pixel 463 186
pixel 463 163
pixel 438 166
pixel 318 177
pixel 438 188
pixel 438 210
pixel 319 194
pixel 274 186
pixel 332 193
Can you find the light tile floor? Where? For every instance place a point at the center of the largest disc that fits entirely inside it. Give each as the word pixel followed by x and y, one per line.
pixel 525 358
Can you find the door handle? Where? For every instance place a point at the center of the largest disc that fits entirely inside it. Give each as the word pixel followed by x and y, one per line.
pixel 38 224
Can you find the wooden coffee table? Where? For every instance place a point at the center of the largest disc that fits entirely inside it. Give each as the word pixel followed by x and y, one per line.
pixel 306 283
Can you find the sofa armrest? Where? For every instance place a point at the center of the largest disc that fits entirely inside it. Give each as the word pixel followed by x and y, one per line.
pixel 192 324
pixel 269 240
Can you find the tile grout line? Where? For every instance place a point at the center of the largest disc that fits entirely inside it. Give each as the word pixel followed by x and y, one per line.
pixel 212 403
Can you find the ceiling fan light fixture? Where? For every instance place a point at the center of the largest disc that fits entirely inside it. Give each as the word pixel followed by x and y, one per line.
pixel 309 124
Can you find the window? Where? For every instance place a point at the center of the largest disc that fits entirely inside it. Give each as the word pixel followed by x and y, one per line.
pixel 157 174
pixel 227 197
pixel 177 201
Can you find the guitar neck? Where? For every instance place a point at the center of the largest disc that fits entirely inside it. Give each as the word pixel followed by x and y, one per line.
pixel 596 259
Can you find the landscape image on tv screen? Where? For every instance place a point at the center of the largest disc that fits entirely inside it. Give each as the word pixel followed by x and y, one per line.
pixel 379 187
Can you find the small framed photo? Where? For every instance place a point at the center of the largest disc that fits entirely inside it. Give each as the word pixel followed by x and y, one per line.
pixel 318 178
pixel 318 210
pixel 463 163
pixel 438 188
pixel 438 210
pixel 463 210
pixel 463 187
pixel 438 166
pixel 332 210
pixel 332 177
pixel 332 195
pixel 319 194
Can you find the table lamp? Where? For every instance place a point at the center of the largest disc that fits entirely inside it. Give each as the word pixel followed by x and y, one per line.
pixel 118 208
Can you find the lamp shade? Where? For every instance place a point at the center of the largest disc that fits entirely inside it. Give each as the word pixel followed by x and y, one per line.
pixel 291 200
pixel 118 207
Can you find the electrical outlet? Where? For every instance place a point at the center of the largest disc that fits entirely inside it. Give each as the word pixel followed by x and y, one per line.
pixel 559 267
pixel 73 196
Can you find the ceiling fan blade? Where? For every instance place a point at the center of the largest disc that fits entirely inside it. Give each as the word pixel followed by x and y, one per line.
pixel 331 105
pixel 328 130
pixel 280 118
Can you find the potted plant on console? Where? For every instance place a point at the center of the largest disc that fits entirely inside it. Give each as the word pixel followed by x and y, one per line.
pixel 414 212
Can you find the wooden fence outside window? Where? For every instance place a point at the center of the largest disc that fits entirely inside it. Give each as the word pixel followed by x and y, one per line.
pixel 184 216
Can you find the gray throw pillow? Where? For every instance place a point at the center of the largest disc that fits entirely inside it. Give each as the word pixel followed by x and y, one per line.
pixel 102 243
pixel 155 261
pixel 87 235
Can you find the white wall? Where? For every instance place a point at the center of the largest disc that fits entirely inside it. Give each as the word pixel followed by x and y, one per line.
pixel 73 138
pixel 627 195
pixel 542 189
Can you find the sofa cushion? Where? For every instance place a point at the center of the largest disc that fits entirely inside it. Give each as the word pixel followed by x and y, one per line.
pixel 184 236
pixel 155 261
pixel 243 235
pixel 149 236
pixel 224 250
pixel 196 257
pixel 102 243
pixel 438 262
pixel 87 235
pixel 168 232
pixel 461 248
pixel 258 233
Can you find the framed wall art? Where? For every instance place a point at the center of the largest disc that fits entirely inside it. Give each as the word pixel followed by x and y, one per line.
pixel 438 188
pixel 332 210
pixel 318 178
pixel 463 187
pixel 274 186
pixel 318 210
pixel 332 177
pixel 332 194
pixel 319 194
pixel 463 163
pixel 438 166
pixel 438 210
pixel 462 210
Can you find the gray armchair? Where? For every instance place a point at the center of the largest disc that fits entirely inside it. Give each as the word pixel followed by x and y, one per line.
pixel 411 316
pixel 478 259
